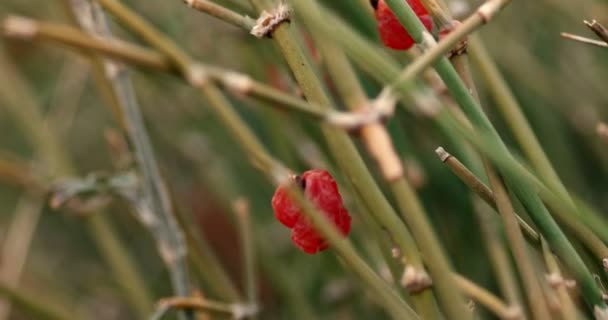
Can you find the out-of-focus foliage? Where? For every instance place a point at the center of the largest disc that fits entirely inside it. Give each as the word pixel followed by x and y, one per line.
pixel 560 84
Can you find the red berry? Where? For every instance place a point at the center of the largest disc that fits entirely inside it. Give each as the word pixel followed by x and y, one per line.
pixel 392 33
pixel 321 189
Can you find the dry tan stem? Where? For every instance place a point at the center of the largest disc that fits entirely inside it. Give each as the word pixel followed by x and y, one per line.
pixel 584 40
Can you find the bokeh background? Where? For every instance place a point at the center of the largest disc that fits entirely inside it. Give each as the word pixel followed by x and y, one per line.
pixel 561 85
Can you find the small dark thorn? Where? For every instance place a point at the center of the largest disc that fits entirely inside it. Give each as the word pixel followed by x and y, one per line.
pixel 300 182
pixel 374 3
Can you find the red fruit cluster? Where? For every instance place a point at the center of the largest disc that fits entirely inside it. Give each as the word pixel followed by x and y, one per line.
pixel 392 33
pixel 321 189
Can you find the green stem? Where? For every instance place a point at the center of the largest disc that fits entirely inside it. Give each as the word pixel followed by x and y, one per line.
pixel 222 13
pixel 342 148
pixel 386 294
pixel 231 80
pixel 155 196
pixel 523 189
pixel 435 258
pixel 260 158
pixel 482 191
pixel 373 136
pixel 499 257
pixel 511 110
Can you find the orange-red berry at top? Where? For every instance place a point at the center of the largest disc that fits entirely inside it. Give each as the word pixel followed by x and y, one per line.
pixel 392 33
pixel 321 189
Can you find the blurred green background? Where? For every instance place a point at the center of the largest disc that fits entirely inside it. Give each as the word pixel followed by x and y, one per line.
pixel 561 85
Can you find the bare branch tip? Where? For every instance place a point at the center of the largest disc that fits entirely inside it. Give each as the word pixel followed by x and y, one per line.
pixel 442 154
pixel 415 280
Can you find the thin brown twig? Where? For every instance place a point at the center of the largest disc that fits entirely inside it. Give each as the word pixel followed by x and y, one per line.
pixel 597 28
pixel 497 252
pixel 584 40
pixel 481 189
pixel 152 202
pixel 222 13
pixel 259 157
pixel 29 29
pixel 518 247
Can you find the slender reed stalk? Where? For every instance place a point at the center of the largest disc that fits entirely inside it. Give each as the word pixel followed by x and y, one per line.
pixel 557 205
pixel 519 250
pixel 482 190
pixel 512 112
pixel 381 149
pixel 243 217
pixel 480 17
pixel 25 28
pixel 499 257
pixel 585 40
pixel 524 190
pixel 381 67
pixel 387 295
pixel 275 270
pixel 222 187
pixel 436 260
pixel 16 27
pixel 222 13
pixel 566 307
pixel 153 205
pixel 20 103
pixel 259 157
pixel 505 208
pixel 341 146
